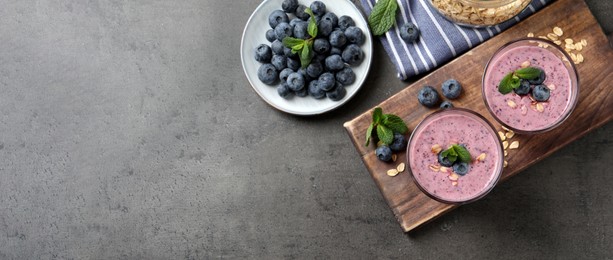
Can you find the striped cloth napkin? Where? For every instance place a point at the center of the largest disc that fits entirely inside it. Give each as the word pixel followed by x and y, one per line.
pixel 440 40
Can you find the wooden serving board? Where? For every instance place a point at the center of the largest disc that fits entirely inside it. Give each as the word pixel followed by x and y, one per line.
pixel 413 208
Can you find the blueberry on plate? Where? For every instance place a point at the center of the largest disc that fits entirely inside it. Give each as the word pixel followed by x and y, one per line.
pixel 451 89
pixel 321 46
pixel 409 32
pixel 446 104
pixel 346 76
pixel 284 74
pixel 326 81
pixel 314 69
pixel 277 47
pixel 293 64
pixel 289 6
pixel 336 50
pixel 279 61
pixel 263 53
pixel 352 54
pixel 330 17
pixel 399 143
pixel 318 8
pixel 301 30
pixel 288 53
pixel 354 35
pixel 295 81
pixel 461 168
pixel 540 79
pixel 283 30
pixel 444 161
pixel 338 38
pixel 334 63
pixel 270 35
pixel 284 91
pixel 427 96
pixel 277 17
pixel 384 153
pixel 345 22
pixel 267 74
pixel 302 93
pixel 315 91
pixel 300 12
pixel 523 89
pixel 324 28
pixel 541 93
pixel 337 93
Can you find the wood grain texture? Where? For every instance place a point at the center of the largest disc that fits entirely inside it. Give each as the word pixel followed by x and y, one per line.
pixel 411 207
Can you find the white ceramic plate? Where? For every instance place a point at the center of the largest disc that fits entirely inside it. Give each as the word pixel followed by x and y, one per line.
pixel 255 34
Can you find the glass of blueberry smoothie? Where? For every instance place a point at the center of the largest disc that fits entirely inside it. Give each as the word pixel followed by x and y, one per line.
pixel 530 85
pixel 454 156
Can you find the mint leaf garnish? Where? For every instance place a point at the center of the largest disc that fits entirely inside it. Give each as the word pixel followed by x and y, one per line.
pixel 383 16
pixel 512 80
pixel 312 28
pixel 291 42
pixel 505 84
pixel 306 54
pixel 385 134
pixel 376 115
pixel 395 123
pixel 369 133
pixel 450 154
pixel 462 152
pixel 528 73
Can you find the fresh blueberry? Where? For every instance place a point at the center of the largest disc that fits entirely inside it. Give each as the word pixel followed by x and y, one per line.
pixel 352 54
pixel 337 93
pixel 318 8
pixel 409 32
pixel 524 87
pixel 277 47
pixel 295 81
pixel 324 28
pixel 270 35
pixel 345 22
pixel 428 96
pixel 326 81
pixel 284 74
pixel 354 35
pixel 289 6
pixel 541 93
pixel 444 161
pixel 540 79
pixel 305 75
pixel 399 143
pixel 277 17
pixel 321 58
pixel 294 21
pixel 321 46
pixel 302 93
pixel 451 89
pixel 279 61
pixel 284 91
pixel 330 17
pixel 300 12
pixel 288 53
pixel 315 91
pixel 283 30
pixel 336 50
pixel 337 38
pixel 334 63
pixel 267 74
pixel 345 76
pixel 446 104
pixel 263 53
pixel 301 30
pixel 293 64
pixel 461 168
pixel 384 153
pixel 314 69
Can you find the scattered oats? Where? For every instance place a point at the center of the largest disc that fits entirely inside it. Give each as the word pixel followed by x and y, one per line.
pixel 580 57
pixel 514 145
pixel 533 106
pixel 573 56
pixel 400 167
pixel 558 31
pixel 511 103
pixel 506 153
pixel 392 172
pixel 584 42
pixel 551 86
pixel 434 167
pixel 530 34
pixel 524 110
pixel 436 149
pixel 564 58
pixel 453 176
pixel 454 183
pixel 501 135
pixel 394 157
pixel 481 157
pixel 568 41
pixel 505 144
pixel 510 134
pixel 569 46
pixel 558 42
pixel 444 169
pixel 543 37
pixel 504 165
pixel 504 128
pixel 465 13
pixel 525 64
pixel 552 36
pixel 540 107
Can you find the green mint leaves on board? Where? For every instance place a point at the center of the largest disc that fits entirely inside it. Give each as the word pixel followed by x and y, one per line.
pixel 455 152
pixel 303 47
pixel 385 126
pixel 383 16
pixel 511 80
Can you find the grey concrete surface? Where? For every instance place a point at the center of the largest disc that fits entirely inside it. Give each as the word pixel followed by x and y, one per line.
pixel 128 131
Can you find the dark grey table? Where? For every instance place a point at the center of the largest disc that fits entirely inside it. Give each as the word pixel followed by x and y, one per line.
pixel 128 130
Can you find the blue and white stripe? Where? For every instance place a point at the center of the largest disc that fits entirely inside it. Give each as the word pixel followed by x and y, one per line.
pixel 440 39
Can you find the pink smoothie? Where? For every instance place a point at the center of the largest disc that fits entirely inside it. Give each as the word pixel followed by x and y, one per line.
pixel 449 127
pixel 525 116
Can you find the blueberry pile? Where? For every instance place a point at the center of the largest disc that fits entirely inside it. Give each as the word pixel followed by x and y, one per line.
pixel 335 48
pixel 384 152
pixel 535 87
pixel 461 168
pixel 429 97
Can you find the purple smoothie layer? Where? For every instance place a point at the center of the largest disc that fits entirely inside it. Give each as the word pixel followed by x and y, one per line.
pixel 455 127
pixel 524 116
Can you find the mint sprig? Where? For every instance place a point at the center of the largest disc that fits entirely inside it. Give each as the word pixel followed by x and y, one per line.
pixel 383 16
pixel 455 152
pixel 304 47
pixel 385 126
pixel 511 81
